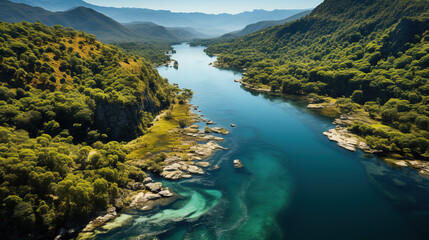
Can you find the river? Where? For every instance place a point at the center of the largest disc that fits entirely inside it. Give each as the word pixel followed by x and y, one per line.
pixel 296 184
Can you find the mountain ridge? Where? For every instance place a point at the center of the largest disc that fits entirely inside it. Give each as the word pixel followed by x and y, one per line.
pixel 82 18
pixel 211 24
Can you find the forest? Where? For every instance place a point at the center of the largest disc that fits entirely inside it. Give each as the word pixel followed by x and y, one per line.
pixel 370 56
pixel 68 102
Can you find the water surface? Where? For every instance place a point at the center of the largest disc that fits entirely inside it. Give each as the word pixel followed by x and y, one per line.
pixel 296 184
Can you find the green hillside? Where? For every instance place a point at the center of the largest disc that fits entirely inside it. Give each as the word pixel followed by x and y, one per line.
pixel 67 100
pixel 251 28
pixel 371 55
pixel 91 21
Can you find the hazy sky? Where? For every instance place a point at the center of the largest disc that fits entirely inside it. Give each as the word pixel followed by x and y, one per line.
pixel 210 6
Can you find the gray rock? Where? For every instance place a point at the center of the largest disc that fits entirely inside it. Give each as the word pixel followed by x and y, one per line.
pixel 238 163
pixel 165 193
pixel 152 196
pixel 154 187
pixel 147 180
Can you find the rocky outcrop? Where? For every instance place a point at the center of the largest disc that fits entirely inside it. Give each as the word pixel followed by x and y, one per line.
pixel 238 163
pixel 110 215
pixel 316 106
pixel 347 140
pixel 174 175
pixel 154 187
pixel 179 170
pixel 203 164
pixel 206 150
pixel 421 166
pixel 217 130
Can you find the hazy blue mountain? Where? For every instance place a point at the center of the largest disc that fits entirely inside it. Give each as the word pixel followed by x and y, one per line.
pixel 154 30
pixel 80 18
pixel 55 5
pixel 251 28
pixel 90 21
pixel 212 24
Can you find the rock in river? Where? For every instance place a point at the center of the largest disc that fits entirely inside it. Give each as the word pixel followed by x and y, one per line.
pixel 154 187
pixel 238 163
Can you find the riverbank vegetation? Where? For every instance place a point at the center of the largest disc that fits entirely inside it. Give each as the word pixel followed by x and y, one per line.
pixel 156 53
pixel 371 56
pixel 67 104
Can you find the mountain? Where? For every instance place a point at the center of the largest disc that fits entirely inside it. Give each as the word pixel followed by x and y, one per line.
pixel 55 5
pixel 251 28
pixel 210 24
pixel 79 18
pixel 365 59
pixel 152 30
pixel 91 21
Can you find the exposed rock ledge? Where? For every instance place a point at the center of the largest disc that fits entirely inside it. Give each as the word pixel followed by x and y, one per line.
pixel 176 168
pixel 421 166
pixel 347 140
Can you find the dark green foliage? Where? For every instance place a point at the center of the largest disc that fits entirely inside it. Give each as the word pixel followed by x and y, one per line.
pixel 65 102
pixel 154 52
pixel 374 52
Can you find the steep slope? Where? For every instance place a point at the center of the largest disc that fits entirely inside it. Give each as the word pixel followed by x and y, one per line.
pixel 372 55
pixel 66 103
pixel 251 28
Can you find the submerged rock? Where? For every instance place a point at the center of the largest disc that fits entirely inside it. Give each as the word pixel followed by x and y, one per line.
pixel 219 130
pixel 238 163
pixel 100 220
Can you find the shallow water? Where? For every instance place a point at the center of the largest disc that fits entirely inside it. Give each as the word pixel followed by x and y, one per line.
pixel 296 184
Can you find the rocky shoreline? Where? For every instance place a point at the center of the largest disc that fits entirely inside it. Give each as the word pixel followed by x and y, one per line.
pixel 145 195
pixel 348 140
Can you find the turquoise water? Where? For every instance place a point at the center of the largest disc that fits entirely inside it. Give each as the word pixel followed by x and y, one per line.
pixel 296 184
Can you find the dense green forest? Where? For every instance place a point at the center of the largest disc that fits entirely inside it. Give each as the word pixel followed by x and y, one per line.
pixel 67 101
pixel 371 55
pixel 153 52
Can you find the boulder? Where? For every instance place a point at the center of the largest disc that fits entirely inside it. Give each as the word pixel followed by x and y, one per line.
pixel 154 187
pixel 136 186
pixel 207 149
pixel 238 163
pixel 174 175
pixel 219 130
pixel 191 169
pixel 152 196
pixel 203 164
pixel 165 193
pixel 147 180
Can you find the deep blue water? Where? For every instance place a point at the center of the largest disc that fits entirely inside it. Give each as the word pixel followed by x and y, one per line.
pixel 296 184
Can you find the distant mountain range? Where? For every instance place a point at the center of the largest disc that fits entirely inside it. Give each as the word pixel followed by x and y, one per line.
pixel 251 28
pixel 210 24
pixel 91 21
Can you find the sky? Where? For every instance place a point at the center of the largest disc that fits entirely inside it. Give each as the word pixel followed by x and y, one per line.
pixel 210 6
